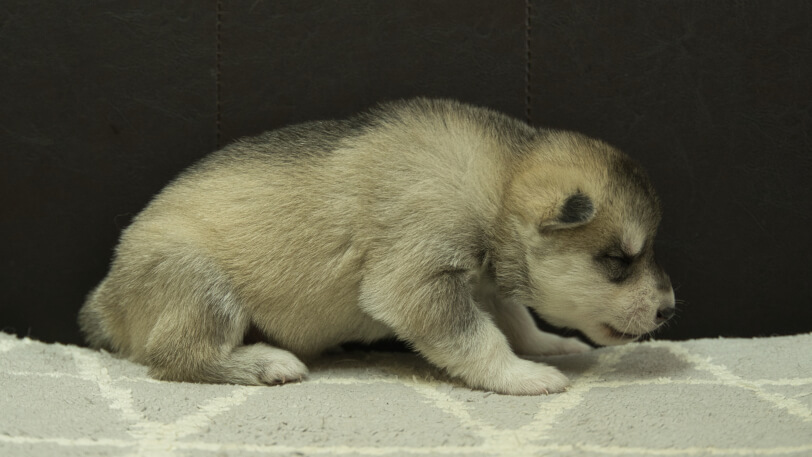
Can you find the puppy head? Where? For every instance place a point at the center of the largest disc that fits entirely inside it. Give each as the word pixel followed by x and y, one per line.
pixel 582 254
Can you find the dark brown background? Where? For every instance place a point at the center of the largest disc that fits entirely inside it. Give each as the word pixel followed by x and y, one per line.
pixel 101 104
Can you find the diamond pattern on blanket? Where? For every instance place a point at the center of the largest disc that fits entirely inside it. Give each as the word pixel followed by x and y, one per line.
pixel 787 357
pixel 364 415
pixel 651 363
pixel 62 449
pixel 159 401
pixel 700 413
pixel 45 407
pixel 501 412
pixel 705 397
pixel 29 357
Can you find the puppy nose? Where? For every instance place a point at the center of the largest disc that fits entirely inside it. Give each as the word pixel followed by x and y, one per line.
pixel 665 312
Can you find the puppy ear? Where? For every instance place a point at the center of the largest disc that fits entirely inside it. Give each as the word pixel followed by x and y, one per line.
pixel 551 197
pixel 576 210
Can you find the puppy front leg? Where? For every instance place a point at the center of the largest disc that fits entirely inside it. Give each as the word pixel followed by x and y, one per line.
pixel 438 315
pixel 524 335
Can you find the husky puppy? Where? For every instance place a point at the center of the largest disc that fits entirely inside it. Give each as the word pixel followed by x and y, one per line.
pixel 433 221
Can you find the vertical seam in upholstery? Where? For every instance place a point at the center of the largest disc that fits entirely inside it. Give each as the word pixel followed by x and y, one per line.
pixel 219 9
pixel 528 62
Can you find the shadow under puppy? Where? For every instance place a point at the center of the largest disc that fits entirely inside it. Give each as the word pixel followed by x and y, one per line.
pixel 429 220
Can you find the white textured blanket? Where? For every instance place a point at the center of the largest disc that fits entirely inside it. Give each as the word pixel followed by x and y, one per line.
pixel 723 397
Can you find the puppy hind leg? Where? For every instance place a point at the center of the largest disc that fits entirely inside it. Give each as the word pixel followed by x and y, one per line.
pixel 199 337
pixel 93 324
pixel 208 349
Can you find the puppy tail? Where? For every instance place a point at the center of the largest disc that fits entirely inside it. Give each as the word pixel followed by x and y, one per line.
pixel 91 323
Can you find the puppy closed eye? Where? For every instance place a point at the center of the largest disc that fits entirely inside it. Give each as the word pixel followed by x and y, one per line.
pixel 617 267
pixel 623 261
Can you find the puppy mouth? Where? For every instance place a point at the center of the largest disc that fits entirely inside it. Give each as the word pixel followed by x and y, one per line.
pixel 618 335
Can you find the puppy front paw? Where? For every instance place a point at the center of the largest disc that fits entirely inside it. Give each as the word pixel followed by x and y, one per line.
pixel 523 377
pixel 569 346
pixel 547 344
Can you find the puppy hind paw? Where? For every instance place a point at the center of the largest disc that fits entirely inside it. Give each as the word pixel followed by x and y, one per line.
pixel 261 364
pixel 282 373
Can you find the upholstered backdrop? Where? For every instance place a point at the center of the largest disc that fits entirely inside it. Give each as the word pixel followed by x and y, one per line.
pixel 101 103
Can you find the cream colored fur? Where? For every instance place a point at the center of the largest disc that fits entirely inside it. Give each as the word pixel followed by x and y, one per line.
pixel 429 220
